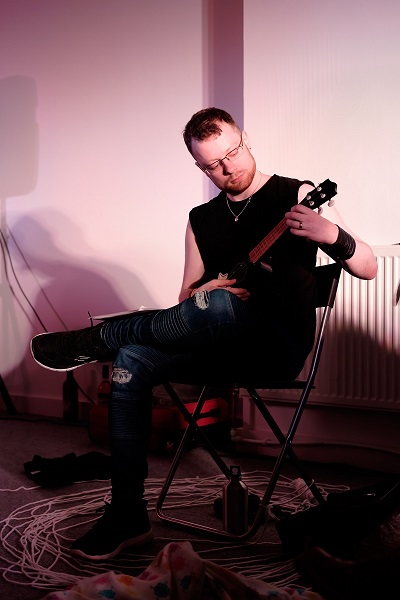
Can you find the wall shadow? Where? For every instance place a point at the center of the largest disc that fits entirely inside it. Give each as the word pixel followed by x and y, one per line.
pixel 63 288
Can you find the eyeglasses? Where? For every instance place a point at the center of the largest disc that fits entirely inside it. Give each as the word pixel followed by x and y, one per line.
pixel 232 155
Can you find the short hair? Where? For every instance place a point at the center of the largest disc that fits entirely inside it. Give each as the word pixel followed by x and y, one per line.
pixel 205 123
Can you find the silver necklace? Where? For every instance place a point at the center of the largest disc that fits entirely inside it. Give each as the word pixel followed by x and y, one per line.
pixel 243 209
pixel 245 206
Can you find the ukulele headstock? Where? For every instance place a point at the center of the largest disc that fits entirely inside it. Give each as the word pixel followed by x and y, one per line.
pixel 324 192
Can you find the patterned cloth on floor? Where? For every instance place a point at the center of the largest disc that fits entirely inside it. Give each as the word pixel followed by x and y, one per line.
pixel 178 573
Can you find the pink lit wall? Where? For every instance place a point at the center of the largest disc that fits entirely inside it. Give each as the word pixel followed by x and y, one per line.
pixel 322 97
pixel 95 181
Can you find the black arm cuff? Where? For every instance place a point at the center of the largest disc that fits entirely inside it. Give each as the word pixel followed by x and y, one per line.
pixel 343 248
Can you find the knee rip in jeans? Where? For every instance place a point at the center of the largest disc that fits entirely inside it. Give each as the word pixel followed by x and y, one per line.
pixel 121 375
pixel 201 299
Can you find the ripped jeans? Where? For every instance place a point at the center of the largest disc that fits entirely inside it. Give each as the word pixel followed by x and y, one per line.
pixel 149 349
pixel 212 333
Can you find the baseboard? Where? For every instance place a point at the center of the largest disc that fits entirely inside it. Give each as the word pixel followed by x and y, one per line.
pixel 46 407
pixel 381 459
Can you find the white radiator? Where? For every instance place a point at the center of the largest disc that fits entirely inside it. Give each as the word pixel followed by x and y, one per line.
pixel 360 365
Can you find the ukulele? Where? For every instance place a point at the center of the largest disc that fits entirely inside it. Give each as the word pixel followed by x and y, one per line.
pixel 314 199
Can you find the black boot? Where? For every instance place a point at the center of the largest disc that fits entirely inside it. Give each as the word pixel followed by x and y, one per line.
pixel 115 531
pixel 68 350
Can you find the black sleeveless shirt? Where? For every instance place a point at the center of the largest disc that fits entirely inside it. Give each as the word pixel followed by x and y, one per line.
pixel 285 295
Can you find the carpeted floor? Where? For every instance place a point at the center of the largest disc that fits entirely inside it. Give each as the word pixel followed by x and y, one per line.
pixel 39 523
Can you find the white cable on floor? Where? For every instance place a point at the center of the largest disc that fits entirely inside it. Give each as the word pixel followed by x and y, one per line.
pixel 38 535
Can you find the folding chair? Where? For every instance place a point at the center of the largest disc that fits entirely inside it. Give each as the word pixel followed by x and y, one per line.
pixel 327 278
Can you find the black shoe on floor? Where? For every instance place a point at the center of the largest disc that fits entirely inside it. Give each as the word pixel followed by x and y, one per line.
pixel 53 472
pixel 367 578
pixel 68 350
pixel 111 535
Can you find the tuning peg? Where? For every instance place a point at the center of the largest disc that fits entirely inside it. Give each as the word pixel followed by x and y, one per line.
pixel 331 202
pixel 266 267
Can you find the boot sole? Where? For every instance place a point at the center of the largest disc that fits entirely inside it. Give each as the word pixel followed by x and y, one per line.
pixel 59 369
pixel 139 540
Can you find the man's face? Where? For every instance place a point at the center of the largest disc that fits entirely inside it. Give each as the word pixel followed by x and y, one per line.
pixel 231 175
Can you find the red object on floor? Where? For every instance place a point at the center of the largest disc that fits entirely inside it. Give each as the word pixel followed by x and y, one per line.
pixel 167 421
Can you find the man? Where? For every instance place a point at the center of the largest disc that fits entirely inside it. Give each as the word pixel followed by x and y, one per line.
pixel 219 321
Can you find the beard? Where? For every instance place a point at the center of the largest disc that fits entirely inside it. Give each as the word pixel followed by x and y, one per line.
pixel 238 188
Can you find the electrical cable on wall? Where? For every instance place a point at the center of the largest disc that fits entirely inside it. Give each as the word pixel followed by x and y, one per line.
pixel 6 254
pixel 6 248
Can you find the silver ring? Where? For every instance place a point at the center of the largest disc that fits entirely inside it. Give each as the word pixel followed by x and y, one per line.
pixel 300 224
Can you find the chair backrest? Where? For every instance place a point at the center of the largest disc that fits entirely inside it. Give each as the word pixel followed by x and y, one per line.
pixel 327 278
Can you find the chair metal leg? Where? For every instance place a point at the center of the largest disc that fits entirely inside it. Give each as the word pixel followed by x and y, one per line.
pixel 193 427
pixel 189 525
pixel 285 441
